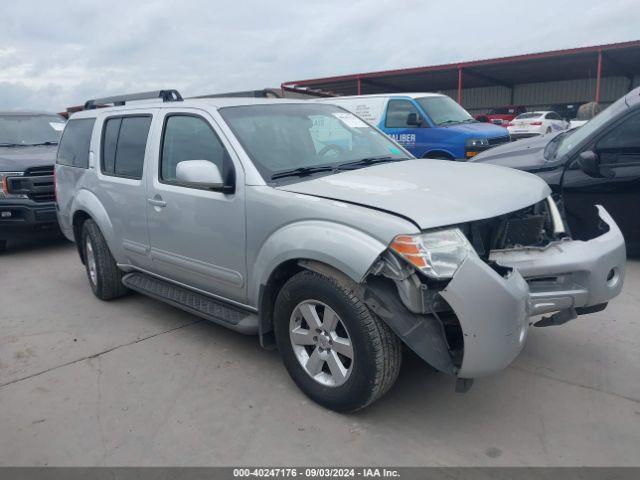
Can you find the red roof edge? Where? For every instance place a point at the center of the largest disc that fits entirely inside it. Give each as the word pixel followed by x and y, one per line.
pixel 474 63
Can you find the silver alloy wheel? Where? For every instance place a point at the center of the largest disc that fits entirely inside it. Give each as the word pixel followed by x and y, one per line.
pixel 321 343
pixel 91 262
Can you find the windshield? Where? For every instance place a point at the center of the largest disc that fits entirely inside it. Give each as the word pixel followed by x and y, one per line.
pixel 569 141
pixel 24 130
pixel 443 110
pixel 280 138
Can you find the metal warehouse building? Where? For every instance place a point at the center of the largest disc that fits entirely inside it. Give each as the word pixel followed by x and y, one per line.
pixel 541 80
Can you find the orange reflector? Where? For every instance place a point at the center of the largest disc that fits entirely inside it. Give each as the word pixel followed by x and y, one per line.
pixel 409 249
pixel 471 154
pixel 405 248
pixel 416 260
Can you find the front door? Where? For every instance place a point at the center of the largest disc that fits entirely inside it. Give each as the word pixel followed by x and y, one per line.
pixel 197 236
pixel 398 127
pixel 618 150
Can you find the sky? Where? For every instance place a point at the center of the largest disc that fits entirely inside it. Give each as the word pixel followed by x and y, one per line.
pixel 58 53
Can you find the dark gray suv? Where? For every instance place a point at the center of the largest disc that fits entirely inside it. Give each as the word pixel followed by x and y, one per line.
pixel 28 144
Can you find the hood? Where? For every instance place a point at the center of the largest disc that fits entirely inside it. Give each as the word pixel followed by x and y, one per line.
pixel 480 129
pixel 18 159
pixel 431 193
pixel 526 154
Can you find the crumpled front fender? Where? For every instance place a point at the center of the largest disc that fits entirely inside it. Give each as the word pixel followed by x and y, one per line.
pixel 493 314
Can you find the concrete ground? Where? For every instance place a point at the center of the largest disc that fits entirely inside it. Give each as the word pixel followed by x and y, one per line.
pixel 136 382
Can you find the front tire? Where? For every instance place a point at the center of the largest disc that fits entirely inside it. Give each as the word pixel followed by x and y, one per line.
pixel 105 278
pixel 336 351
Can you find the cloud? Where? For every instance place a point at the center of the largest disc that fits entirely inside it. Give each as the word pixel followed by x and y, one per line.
pixel 57 54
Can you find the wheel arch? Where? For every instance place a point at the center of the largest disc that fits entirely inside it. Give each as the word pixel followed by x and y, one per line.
pixel 328 248
pixel 87 206
pixel 439 154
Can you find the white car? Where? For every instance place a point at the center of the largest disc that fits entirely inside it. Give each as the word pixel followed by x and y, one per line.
pixel 531 124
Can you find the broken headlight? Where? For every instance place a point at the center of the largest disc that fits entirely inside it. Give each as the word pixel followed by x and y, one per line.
pixel 437 254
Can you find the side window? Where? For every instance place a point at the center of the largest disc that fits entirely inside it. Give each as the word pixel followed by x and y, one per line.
pixel 625 136
pixel 397 113
pixel 188 137
pixel 124 141
pixel 553 116
pixel 74 145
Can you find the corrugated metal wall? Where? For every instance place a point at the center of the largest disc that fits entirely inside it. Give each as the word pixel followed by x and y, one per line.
pixel 543 95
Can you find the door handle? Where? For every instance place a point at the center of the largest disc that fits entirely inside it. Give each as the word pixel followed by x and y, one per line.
pixel 157 201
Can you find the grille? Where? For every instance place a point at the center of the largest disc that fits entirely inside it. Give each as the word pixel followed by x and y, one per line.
pixel 36 184
pixel 529 227
pixel 39 171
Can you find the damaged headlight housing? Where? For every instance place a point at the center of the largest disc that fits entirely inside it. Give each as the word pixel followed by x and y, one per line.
pixel 437 254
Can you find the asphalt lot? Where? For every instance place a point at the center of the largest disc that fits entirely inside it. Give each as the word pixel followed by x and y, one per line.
pixel 136 382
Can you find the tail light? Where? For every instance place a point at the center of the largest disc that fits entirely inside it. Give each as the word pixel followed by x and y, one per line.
pixel 535 124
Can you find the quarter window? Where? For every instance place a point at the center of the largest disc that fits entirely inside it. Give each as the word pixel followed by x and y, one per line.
pixel 398 112
pixel 188 137
pixel 74 145
pixel 124 141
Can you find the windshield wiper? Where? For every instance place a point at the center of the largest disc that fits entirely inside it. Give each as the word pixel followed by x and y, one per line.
pixel 12 145
pixel 365 162
pixel 301 172
pixel 40 143
pixel 449 122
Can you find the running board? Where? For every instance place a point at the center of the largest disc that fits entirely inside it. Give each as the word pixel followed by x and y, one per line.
pixel 206 307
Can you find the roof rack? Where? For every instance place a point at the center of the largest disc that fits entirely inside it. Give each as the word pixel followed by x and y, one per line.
pixel 119 100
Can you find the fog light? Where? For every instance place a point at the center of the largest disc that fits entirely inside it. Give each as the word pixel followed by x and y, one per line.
pixel 5 214
pixel 613 277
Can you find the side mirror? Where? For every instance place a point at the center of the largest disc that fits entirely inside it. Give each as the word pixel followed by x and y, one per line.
pixel 414 119
pixel 590 164
pixel 201 174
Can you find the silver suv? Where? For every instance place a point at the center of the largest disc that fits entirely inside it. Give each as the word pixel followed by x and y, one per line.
pixel 300 223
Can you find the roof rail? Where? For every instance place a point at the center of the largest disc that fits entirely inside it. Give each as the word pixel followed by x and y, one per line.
pixel 119 100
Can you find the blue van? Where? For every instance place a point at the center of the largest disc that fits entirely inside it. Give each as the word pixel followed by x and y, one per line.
pixel 429 125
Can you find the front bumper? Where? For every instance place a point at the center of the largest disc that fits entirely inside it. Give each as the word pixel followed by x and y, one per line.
pixel 494 306
pixel 25 218
pixel 571 274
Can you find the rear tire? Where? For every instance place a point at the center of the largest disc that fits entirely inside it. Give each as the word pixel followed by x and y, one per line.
pixel 105 278
pixel 376 352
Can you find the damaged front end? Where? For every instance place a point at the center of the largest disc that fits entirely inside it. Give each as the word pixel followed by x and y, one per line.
pixel 462 297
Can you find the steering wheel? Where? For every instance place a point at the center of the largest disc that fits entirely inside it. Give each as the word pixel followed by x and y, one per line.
pixel 335 148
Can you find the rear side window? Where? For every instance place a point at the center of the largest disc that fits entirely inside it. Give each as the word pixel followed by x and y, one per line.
pixel 74 145
pixel 124 140
pixel 188 137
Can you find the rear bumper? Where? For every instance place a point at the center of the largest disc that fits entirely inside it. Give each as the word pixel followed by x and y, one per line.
pixel 25 218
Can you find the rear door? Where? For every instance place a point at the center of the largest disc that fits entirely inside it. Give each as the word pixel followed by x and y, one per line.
pixel 122 188
pixel 197 235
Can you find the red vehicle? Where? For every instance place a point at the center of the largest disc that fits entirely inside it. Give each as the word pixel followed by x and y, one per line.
pixel 501 115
